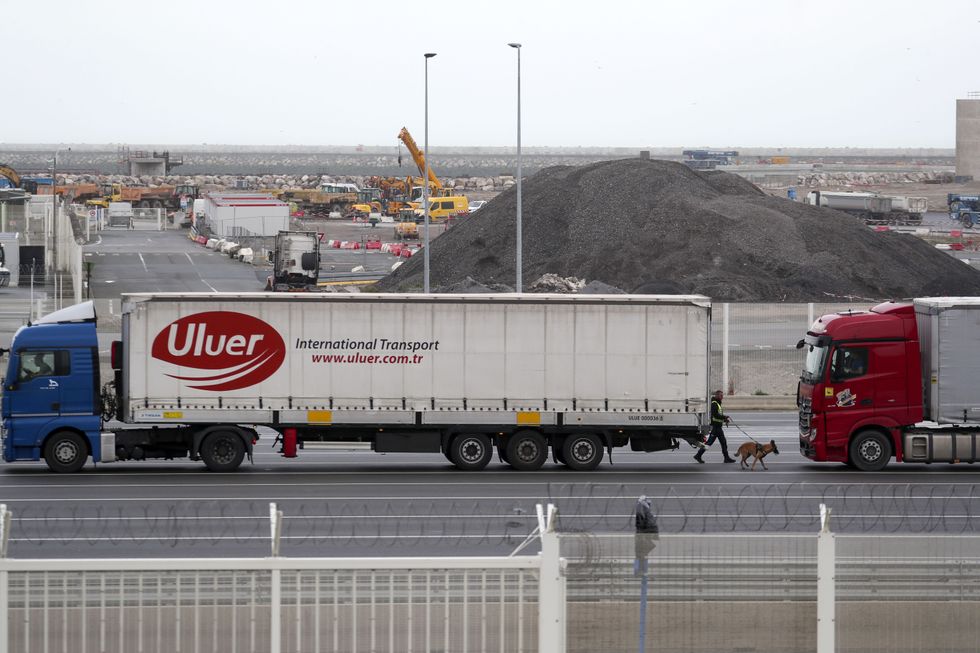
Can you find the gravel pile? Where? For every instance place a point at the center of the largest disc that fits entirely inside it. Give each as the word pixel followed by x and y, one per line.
pixel 659 227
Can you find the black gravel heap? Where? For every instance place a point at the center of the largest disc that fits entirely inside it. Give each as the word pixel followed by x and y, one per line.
pixel 659 227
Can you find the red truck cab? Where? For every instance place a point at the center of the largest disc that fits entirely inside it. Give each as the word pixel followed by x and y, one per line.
pixel 861 385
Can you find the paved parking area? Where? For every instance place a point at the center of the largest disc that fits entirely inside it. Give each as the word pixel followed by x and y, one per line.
pixel 163 261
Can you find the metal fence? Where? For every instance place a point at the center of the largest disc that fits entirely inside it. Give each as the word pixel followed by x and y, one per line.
pixel 754 345
pixel 276 604
pixel 779 593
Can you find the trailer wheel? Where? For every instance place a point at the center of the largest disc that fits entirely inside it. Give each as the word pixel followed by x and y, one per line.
pixel 65 452
pixel 470 452
pixel 527 451
pixel 223 451
pixel 582 452
pixel 870 451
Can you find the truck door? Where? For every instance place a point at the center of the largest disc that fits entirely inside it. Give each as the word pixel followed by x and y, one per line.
pixel 81 395
pixel 891 397
pixel 34 395
pixel 848 394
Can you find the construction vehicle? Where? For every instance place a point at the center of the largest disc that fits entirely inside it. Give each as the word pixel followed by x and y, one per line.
pixel 323 201
pixel 873 208
pixel 407 227
pixel 436 189
pixel 468 376
pixel 144 197
pixel 16 180
pixel 295 262
pixel 965 209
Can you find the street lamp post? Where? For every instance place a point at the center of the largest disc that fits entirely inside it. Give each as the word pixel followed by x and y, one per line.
pixel 54 207
pixel 519 283
pixel 425 182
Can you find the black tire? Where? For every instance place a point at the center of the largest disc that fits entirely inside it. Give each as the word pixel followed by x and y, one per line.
pixel 870 451
pixel 65 452
pixel 223 451
pixel 527 451
pixel 582 452
pixel 470 452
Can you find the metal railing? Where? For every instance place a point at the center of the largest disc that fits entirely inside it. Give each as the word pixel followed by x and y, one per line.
pixel 583 592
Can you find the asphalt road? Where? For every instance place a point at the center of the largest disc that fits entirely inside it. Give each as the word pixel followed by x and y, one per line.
pixel 162 261
pixel 364 503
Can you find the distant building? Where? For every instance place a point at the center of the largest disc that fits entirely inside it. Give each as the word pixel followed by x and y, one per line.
pixel 238 215
pixel 968 139
pixel 141 163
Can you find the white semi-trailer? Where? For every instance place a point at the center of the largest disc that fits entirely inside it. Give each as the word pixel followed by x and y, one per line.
pixel 873 208
pixel 464 375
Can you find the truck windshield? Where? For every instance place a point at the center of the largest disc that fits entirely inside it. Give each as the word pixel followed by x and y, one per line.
pixel 813 366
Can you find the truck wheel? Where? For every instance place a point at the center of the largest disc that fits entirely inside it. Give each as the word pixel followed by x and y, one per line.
pixel 870 451
pixel 65 452
pixel 582 452
pixel 470 452
pixel 527 451
pixel 223 451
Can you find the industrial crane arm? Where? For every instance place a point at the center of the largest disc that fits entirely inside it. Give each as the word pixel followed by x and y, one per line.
pixel 418 157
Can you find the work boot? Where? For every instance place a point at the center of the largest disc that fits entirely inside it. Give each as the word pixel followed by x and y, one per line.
pixel 697 457
pixel 729 460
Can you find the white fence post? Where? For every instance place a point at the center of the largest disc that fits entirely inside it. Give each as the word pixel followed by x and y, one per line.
pixel 826 585
pixel 275 599
pixel 551 585
pixel 4 595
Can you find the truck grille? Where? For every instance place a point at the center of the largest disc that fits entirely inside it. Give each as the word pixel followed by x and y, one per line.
pixel 805 413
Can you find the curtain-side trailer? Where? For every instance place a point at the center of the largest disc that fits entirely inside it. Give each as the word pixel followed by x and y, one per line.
pixel 524 376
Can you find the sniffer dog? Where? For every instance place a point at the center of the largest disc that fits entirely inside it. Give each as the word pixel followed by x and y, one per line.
pixel 760 451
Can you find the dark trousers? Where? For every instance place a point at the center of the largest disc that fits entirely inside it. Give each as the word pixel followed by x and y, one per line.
pixel 717 433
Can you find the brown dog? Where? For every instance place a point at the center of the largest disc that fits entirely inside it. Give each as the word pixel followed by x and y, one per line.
pixel 760 451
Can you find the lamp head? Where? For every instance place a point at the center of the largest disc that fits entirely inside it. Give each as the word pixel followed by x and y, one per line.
pixel 429 55
pixel 515 45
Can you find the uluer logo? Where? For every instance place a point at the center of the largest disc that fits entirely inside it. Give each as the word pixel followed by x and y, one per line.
pixel 230 350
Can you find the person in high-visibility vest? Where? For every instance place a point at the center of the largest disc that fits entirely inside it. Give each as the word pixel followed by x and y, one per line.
pixel 718 420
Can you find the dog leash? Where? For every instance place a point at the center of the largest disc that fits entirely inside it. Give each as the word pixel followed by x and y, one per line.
pixel 732 422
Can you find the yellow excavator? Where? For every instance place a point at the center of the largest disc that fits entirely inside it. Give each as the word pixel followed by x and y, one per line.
pixel 11 174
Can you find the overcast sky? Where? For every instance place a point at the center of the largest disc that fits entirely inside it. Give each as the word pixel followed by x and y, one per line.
pixel 612 73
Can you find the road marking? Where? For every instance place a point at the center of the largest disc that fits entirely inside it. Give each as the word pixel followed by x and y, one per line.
pixel 140 254
pixel 213 289
pixel 190 259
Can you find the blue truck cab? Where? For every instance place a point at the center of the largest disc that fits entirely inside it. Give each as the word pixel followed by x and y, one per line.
pixel 52 405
